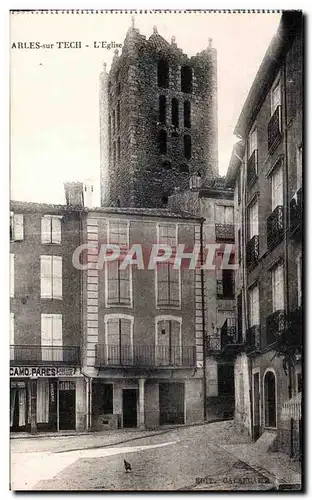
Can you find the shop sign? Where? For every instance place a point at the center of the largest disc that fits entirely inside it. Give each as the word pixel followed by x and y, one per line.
pixel 43 371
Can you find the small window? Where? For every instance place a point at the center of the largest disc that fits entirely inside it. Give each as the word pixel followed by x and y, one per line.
pixel 51 230
pixel 275 95
pixel 187 146
pixel 163 73
pixel 175 112
pixel 162 141
pixel 277 187
pixel 187 114
pixel 184 169
pixel 253 306
pixel 277 275
pixel 252 142
pixel 253 222
pixel 162 109
pixel 186 79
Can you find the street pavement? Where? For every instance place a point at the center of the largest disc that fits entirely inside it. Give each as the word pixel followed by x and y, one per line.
pixel 185 458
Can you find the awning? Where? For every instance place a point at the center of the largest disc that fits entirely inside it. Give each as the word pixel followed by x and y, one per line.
pixel 292 409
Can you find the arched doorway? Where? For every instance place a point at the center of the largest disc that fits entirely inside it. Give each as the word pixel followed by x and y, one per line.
pixel 270 399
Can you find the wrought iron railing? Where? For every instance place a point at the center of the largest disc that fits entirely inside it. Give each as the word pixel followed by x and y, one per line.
pixel 253 337
pixel 252 168
pixel 42 354
pixel 275 129
pixel 224 232
pixel 275 326
pixel 109 355
pixel 252 251
pixel 296 213
pixel 275 226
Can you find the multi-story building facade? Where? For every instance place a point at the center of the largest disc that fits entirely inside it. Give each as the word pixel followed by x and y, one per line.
pixel 158 120
pixel 47 389
pixel 215 203
pixel 266 171
pixel 102 347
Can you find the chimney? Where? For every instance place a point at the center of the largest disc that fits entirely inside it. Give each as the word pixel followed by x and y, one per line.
pixel 74 194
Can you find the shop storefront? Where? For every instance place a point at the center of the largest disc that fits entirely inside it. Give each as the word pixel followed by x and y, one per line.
pixel 46 399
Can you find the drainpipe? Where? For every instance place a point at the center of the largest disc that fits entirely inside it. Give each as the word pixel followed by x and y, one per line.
pixel 286 242
pixel 202 277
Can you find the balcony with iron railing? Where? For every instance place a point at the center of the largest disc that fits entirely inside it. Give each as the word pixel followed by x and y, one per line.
pixel 253 337
pixel 275 227
pixel 252 168
pixel 275 326
pixel 145 356
pixel 296 215
pixel 224 232
pixel 252 251
pixel 275 129
pixel 44 355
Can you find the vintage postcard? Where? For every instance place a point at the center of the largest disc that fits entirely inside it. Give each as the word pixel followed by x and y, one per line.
pixel 156 250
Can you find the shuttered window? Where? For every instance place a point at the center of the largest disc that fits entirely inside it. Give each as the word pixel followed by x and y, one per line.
pixel 275 95
pixel 119 340
pixel 168 279
pixel 168 342
pixel 278 288
pixel 51 230
pixel 277 187
pixel 51 337
pixel 51 276
pixel 118 280
pixel 16 227
pixel 224 214
pixel 252 142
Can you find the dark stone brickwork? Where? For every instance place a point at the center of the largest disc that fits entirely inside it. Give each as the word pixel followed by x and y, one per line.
pixel 134 172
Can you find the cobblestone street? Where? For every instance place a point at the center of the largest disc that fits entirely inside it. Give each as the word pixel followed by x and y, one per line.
pixel 177 459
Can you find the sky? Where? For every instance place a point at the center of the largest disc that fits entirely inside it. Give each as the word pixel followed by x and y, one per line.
pixel 54 93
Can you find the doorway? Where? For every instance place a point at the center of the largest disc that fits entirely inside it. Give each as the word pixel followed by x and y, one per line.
pixel 129 407
pixel 67 406
pixel 171 404
pixel 270 399
pixel 256 405
pixel 19 403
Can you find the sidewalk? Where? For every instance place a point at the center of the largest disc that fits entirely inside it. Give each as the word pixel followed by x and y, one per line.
pixel 277 467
